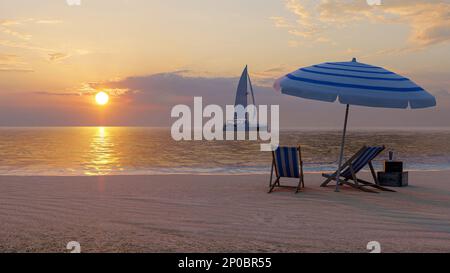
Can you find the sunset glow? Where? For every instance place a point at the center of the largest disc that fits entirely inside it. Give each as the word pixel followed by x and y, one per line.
pixel 52 56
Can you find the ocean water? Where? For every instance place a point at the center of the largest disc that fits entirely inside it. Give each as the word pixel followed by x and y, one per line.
pixel 74 151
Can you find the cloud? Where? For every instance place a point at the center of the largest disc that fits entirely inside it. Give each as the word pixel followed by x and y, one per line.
pixel 8 22
pixel 428 20
pixel 306 25
pixel 280 22
pixel 13 63
pixel 266 77
pixel 15 34
pixel 20 40
pixel 58 56
pixel 17 39
pixel 46 93
pixel 15 22
pixel 7 25
pixel 147 101
pixel 22 45
pixel 48 21
pixel 167 88
pixel 12 69
pixel 8 58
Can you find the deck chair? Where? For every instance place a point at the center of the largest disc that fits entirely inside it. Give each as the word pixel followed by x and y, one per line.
pixel 287 163
pixel 355 164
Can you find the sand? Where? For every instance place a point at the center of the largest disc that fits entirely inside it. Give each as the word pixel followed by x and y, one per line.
pixel 219 214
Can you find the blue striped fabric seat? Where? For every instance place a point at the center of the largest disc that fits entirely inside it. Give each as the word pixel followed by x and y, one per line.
pixel 287 162
pixel 369 154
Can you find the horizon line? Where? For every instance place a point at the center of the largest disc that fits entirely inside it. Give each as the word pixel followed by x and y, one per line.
pixel 308 128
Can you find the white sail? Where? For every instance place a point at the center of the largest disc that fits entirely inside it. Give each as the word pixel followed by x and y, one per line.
pixel 241 118
pixel 241 94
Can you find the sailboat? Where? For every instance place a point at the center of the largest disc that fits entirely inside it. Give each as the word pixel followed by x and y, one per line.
pixel 244 90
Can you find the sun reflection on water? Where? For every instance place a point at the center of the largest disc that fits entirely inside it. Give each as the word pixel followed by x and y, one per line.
pixel 102 155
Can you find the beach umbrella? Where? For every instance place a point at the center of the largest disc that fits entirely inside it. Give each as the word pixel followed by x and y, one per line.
pixel 354 83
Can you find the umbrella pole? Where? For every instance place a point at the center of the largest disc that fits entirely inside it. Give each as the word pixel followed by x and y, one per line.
pixel 341 156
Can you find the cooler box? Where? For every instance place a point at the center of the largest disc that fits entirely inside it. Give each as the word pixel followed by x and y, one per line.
pixel 393 179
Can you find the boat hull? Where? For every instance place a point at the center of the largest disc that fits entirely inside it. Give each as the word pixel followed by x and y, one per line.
pixel 247 128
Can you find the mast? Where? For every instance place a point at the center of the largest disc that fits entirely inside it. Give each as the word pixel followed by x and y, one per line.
pixel 253 98
pixel 251 89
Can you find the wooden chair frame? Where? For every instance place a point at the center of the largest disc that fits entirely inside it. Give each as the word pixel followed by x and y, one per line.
pixel 357 183
pixel 277 183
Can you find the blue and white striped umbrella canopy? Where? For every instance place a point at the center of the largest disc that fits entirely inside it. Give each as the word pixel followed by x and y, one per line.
pixel 355 83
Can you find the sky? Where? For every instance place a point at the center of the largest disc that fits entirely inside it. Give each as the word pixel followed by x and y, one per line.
pixel 150 55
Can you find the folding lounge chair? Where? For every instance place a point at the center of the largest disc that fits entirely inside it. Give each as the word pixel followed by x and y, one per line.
pixel 287 163
pixel 354 165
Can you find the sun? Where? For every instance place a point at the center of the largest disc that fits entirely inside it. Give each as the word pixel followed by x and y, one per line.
pixel 101 98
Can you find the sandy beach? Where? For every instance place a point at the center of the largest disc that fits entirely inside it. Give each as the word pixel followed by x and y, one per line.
pixel 219 214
